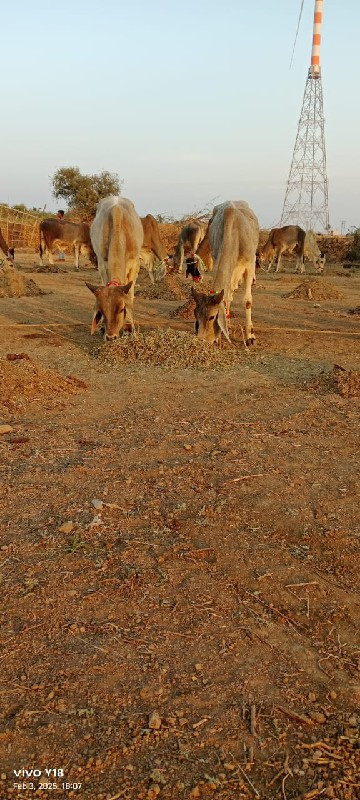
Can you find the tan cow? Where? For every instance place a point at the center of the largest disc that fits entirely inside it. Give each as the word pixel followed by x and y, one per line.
pixel 188 242
pixel 234 237
pixel 312 252
pixel 152 249
pixel 284 240
pixel 116 236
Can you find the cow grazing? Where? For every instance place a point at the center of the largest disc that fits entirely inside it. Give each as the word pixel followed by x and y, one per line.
pixel 284 240
pixel 75 233
pixel 152 249
pixel 188 242
pixel 234 237
pixel 9 252
pixel 117 237
pixel 312 252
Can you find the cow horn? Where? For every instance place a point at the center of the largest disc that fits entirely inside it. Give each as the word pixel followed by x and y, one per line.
pixel 94 289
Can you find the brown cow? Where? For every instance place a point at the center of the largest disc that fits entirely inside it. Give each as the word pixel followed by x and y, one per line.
pixel 284 240
pixel 76 233
pixel 152 248
pixel 234 237
pixel 117 237
pixel 8 251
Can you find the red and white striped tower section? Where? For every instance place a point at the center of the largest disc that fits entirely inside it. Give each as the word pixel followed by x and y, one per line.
pixel 315 53
pixel 306 200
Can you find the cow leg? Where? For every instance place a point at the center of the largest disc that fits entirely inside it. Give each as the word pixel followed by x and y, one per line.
pixel 270 264
pixel 278 262
pixel 249 330
pixel 181 262
pixel 77 254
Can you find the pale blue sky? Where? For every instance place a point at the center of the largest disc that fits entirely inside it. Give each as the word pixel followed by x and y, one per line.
pixel 187 101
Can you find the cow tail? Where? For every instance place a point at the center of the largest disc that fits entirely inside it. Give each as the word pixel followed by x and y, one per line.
pixel 40 244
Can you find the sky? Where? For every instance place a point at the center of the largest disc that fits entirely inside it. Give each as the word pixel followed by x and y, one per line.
pixel 189 102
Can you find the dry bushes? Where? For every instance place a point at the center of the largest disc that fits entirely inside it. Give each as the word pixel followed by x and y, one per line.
pixel 23 382
pixel 169 349
pixel 13 284
pixel 313 290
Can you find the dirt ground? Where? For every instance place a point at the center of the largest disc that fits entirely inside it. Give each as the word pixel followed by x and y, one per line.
pixel 180 552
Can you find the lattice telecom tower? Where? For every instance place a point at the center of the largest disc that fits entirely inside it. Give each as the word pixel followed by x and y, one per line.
pixel 306 198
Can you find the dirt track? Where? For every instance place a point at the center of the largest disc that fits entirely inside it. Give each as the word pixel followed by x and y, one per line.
pixel 215 580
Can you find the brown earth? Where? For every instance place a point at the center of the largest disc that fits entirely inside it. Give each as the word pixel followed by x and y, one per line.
pixel 180 551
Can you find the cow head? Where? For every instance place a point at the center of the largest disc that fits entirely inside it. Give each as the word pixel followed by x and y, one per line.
pixel 210 316
pixel 111 308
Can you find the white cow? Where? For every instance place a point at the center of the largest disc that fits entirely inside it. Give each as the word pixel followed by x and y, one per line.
pixel 116 236
pixel 234 237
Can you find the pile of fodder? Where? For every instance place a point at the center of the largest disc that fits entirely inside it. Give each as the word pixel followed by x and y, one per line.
pixel 186 311
pixel 14 284
pixel 172 287
pixel 24 382
pixel 169 349
pixel 346 382
pixel 314 290
pixel 339 380
pixel 49 268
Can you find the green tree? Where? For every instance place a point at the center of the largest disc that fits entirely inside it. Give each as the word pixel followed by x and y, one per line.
pixel 353 254
pixel 82 192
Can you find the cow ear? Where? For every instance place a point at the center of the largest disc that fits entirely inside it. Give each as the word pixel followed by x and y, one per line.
pixel 217 298
pixel 126 289
pixel 94 289
pixel 195 294
pixel 96 319
pixel 222 322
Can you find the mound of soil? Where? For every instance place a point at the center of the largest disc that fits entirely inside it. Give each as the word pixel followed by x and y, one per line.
pixel 14 284
pixel 173 287
pixel 314 290
pixel 169 349
pixel 24 382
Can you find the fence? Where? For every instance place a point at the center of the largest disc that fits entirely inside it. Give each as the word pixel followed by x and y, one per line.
pixel 19 228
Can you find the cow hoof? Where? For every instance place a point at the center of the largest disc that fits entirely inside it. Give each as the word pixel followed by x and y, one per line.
pixel 250 341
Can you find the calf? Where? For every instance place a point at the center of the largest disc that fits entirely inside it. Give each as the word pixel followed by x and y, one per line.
pixel 75 233
pixel 152 249
pixel 189 239
pixel 116 236
pixel 234 237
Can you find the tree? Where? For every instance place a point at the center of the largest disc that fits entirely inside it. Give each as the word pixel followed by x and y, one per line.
pixel 82 192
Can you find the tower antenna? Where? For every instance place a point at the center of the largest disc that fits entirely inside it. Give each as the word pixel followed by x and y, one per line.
pixel 306 199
